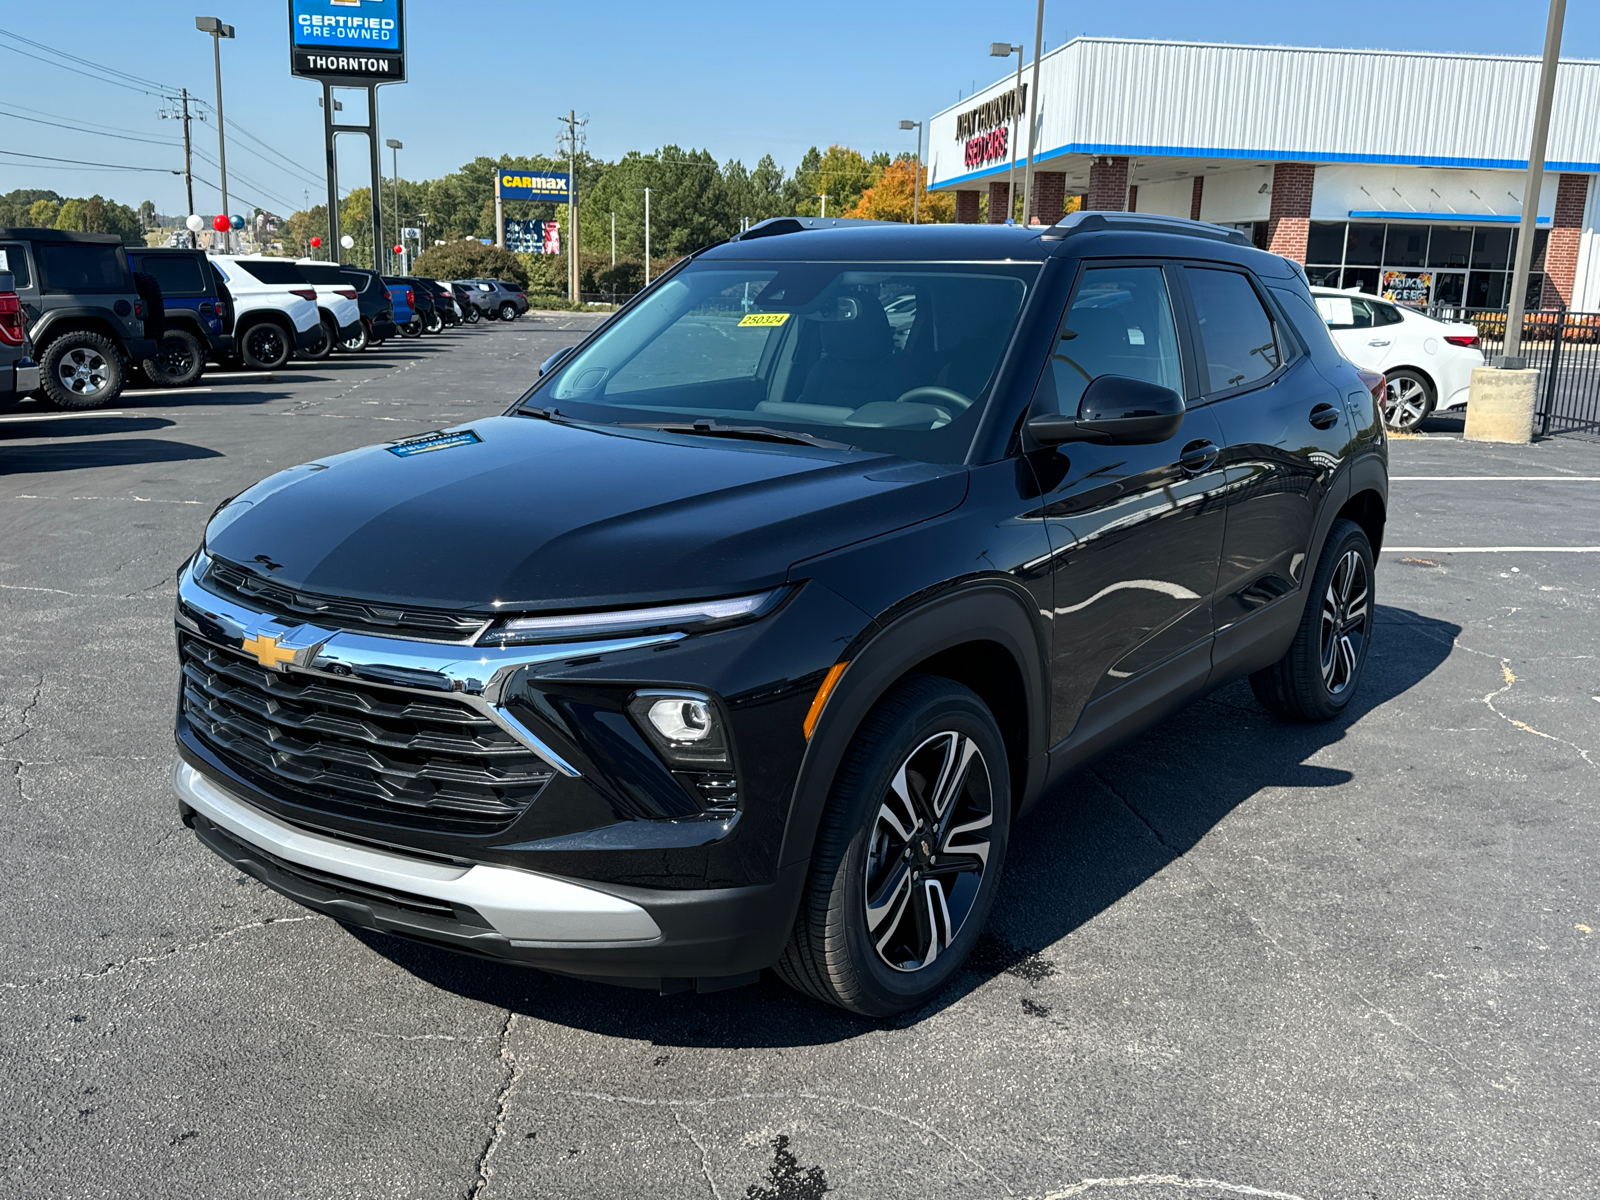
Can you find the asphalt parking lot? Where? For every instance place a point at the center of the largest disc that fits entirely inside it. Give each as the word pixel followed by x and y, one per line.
pixel 1235 958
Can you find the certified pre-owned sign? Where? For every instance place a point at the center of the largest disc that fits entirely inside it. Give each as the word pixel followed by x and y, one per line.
pixel 349 41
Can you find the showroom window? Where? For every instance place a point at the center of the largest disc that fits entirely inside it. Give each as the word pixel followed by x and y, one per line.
pixel 1422 265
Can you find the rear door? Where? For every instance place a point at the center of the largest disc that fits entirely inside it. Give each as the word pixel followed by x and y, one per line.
pixel 1136 531
pixel 1363 328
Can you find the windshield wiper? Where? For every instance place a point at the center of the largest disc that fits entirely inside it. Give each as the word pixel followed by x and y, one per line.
pixel 753 433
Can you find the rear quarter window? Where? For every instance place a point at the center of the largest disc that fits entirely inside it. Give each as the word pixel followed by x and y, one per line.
pixel 178 275
pixel 14 258
pixel 285 273
pixel 76 267
pixel 323 275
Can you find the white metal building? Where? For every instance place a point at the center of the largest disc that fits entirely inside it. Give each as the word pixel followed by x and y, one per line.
pixel 1395 171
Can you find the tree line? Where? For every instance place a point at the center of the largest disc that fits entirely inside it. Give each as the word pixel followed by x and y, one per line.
pixel 38 208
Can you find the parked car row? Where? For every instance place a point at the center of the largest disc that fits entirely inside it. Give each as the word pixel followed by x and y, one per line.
pixel 80 313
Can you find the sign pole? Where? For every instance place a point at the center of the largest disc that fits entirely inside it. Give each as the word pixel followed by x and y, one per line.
pixel 499 215
pixel 333 170
pixel 377 173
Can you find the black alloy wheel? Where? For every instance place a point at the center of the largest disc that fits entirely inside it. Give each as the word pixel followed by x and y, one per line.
pixel 358 341
pixel 80 371
pixel 1318 677
pixel 1407 401
pixel 473 314
pixel 508 311
pixel 434 323
pixel 327 339
pixel 908 854
pixel 411 329
pixel 264 347
pixel 179 361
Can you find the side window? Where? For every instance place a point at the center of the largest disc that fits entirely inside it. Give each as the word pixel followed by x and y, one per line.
pixel 1386 314
pixel 1119 323
pixel 14 258
pixel 1237 340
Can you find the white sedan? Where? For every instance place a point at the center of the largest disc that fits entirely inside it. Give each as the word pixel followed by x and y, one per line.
pixel 1427 362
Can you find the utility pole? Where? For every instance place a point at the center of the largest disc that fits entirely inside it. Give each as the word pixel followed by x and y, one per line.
pixel 394 153
pixel 823 196
pixel 1530 190
pixel 218 31
pixel 188 164
pixel 613 258
pixel 1006 50
pixel 572 204
pixel 1033 113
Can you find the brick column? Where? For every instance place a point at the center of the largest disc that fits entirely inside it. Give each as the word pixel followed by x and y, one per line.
pixel 1194 197
pixel 1108 185
pixel 1566 234
pixel 1289 217
pixel 966 208
pixel 1133 198
pixel 999 202
pixel 1049 196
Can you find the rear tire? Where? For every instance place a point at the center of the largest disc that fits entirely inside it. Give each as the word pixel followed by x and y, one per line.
pixel 434 322
pixel 80 371
pixel 264 346
pixel 358 343
pixel 1318 677
pixel 1407 401
pixel 508 311
pixel 908 853
pixel 179 360
pixel 324 345
pixel 411 329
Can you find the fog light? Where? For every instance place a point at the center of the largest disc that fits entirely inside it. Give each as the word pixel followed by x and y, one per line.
pixel 686 728
pixel 680 720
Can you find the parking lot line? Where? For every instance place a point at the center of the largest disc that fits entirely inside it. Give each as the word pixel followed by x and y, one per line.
pixel 59 416
pixel 1491 549
pixel 1494 478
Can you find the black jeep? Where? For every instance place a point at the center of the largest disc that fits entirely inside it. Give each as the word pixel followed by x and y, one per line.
pixel 84 312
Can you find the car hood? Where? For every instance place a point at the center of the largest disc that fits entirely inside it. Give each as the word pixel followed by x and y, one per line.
pixel 526 514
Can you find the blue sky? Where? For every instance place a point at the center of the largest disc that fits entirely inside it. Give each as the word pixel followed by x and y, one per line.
pixel 490 76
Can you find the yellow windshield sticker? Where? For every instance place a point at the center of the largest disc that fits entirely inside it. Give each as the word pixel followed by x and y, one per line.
pixel 763 319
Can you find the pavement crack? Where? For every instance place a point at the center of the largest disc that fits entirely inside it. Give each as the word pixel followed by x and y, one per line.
pixel 1181 1182
pixel 123 964
pixel 1510 678
pixel 511 1070
pixel 705 1158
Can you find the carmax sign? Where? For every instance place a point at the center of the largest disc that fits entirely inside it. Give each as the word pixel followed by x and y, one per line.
pixel 537 185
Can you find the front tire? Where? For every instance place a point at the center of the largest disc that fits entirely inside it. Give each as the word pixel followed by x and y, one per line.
pixel 908 854
pixel 179 360
pixel 1407 401
pixel 1318 677
pixel 80 371
pixel 264 347
pixel 508 311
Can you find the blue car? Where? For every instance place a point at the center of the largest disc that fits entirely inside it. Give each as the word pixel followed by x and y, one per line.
pixel 405 308
pixel 197 317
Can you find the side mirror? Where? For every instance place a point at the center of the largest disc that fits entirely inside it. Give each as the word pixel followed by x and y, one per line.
pixel 1114 410
pixel 554 361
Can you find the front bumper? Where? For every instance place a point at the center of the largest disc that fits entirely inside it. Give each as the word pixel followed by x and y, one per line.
pixel 669 940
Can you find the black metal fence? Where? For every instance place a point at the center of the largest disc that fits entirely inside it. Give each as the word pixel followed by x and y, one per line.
pixel 1565 349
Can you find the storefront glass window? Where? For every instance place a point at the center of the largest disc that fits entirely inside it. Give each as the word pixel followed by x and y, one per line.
pixel 1364 245
pixel 1421 264
pixel 1491 249
pixel 1449 246
pixel 1406 246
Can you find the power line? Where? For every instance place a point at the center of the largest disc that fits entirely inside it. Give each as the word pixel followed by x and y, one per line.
pixel 63 54
pixel 85 74
pixel 126 137
pixel 86 163
pixel 79 121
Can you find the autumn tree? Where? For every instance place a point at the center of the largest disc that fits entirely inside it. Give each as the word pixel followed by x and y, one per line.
pixel 890 199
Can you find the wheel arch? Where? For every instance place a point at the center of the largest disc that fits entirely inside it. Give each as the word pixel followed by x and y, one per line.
pixel 1428 378
pixel 1367 509
pixel 983 637
pixel 48 331
pixel 248 321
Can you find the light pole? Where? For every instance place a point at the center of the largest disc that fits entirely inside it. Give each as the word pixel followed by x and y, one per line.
pixel 916 178
pixel 647 237
pixel 1033 112
pixel 1530 190
pixel 1006 50
pixel 394 154
pixel 823 196
pixel 218 31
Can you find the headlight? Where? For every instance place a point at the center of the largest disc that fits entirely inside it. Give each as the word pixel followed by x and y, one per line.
pixel 691 617
pixel 685 727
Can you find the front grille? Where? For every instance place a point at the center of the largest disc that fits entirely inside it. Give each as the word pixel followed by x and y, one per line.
pixel 342 745
pixel 293 606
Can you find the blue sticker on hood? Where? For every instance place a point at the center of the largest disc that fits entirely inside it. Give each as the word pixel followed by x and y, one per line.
pixel 434 441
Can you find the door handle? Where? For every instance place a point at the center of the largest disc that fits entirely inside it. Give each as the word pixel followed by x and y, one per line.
pixel 1383 342
pixel 1197 456
pixel 1324 416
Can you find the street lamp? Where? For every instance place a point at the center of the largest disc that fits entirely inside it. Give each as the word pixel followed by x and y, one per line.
pixel 395 147
pixel 916 178
pixel 218 31
pixel 1006 50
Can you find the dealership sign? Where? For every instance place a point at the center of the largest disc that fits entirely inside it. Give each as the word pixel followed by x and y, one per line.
pixel 536 185
pixel 983 129
pixel 533 237
pixel 350 42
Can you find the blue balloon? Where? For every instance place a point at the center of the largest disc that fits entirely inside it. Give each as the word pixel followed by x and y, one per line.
pixel 238 222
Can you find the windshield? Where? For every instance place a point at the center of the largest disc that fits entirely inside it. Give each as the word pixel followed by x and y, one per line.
pixel 891 357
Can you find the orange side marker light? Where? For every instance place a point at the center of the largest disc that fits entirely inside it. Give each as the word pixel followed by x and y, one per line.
pixel 829 682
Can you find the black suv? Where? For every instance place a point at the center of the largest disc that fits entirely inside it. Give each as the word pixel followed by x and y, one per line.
pixel 745 636
pixel 377 310
pixel 197 322
pixel 84 312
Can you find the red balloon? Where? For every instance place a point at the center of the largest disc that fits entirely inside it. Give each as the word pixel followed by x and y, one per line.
pixel 315 242
pixel 399 249
pixel 221 223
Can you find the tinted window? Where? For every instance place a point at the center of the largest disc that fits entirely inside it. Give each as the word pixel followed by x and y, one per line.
pixel 325 274
pixel 360 280
pixel 14 258
pixel 76 267
pixel 810 347
pixel 1236 335
pixel 273 272
pixel 1386 314
pixel 1120 323
pixel 178 274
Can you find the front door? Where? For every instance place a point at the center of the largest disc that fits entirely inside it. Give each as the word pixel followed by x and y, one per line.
pixel 1136 531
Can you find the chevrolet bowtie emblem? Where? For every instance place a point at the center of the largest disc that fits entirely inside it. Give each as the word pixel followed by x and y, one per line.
pixel 267 651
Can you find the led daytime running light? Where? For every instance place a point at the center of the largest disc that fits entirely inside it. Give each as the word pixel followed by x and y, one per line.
pixel 700 612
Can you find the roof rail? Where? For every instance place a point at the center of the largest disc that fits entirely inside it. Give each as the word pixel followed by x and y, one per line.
pixel 1084 222
pixel 773 226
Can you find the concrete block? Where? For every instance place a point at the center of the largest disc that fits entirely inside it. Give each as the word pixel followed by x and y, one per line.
pixel 1500 405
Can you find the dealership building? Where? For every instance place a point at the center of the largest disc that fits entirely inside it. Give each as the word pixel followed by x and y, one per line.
pixel 1400 173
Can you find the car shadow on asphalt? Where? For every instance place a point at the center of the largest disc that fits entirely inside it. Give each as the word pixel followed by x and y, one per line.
pixel 78 456
pixel 1095 839
pixel 65 425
